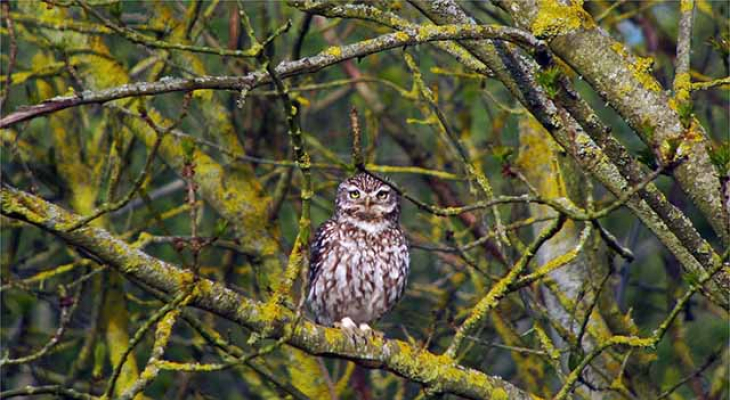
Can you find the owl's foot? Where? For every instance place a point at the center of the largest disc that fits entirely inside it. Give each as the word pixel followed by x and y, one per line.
pixel 370 332
pixel 358 335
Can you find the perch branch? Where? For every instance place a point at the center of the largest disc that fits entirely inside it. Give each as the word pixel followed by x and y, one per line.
pixel 406 360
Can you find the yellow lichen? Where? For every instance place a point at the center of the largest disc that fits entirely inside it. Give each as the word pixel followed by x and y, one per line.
pixel 687 5
pixel 402 36
pixel 536 149
pixel 500 394
pixel 682 86
pixel 333 51
pixel 641 69
pixel 425 31
pixel 554 18
pixel 618 48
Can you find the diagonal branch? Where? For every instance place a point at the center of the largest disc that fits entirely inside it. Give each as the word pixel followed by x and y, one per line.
pixel 518 75
pixel 333 55
pixel 625 81
pixel 437 372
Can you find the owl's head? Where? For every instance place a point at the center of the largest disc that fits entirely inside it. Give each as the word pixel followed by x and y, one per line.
pixel 367 199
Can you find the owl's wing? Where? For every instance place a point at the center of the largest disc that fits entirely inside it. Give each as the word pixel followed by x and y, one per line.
pixel 322 240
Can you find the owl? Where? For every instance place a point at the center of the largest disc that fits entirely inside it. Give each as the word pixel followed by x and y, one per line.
pixel 359 258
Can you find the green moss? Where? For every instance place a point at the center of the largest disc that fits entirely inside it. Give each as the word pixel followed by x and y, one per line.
pixel 684 110
pixel 647 130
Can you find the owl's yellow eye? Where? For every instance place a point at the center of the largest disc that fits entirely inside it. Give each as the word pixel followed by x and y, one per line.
pixel 354 194
pixel 382 195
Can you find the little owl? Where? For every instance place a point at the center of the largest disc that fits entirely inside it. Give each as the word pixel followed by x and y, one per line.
pixel 359 257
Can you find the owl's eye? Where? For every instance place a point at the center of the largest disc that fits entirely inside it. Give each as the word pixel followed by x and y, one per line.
pixel 354 194
pixel 383 194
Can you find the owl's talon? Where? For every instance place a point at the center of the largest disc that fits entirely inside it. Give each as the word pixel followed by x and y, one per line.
pixel 370 332
pixel 347 323
pixel 357 335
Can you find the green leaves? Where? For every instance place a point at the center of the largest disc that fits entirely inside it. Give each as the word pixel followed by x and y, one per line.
pixel 720 157
pixel 220 228
pixel 188 147
pixel 548 79
pixel 684 109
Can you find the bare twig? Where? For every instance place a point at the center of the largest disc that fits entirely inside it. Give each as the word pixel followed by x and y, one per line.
pixel 13 53
pixel 500 289
pixel 67 312
pixel 697 372
pixel 358 161
pixel 161 44
pixel 179 301
pixel 57 390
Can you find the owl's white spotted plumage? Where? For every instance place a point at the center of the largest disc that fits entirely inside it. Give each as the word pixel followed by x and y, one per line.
pixel 359 258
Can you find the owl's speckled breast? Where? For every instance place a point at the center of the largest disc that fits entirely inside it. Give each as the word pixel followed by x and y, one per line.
pixel 361 273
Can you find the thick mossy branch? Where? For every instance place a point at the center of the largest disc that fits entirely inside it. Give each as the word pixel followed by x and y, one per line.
pixel 626 82
pixel 373 14
pixel 518 75
pixel 440 373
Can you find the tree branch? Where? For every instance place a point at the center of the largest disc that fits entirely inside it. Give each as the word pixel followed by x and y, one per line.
pixel 518 75
pixel 333 55
pixel 626 82
pixel 438 372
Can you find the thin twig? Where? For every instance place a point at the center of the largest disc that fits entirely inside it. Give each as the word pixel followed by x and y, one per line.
pixel 57 390
pixel 177 302
pixel 697 372
pixel 13 53
pixel 149 41
pixel 500 289
pixel 357 158
pixel 67 312
pixel 634 341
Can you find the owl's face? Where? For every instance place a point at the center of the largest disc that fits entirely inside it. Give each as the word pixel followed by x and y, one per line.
pixel 367 199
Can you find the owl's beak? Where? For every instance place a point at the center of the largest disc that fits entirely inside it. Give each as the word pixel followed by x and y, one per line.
pixel 367 202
